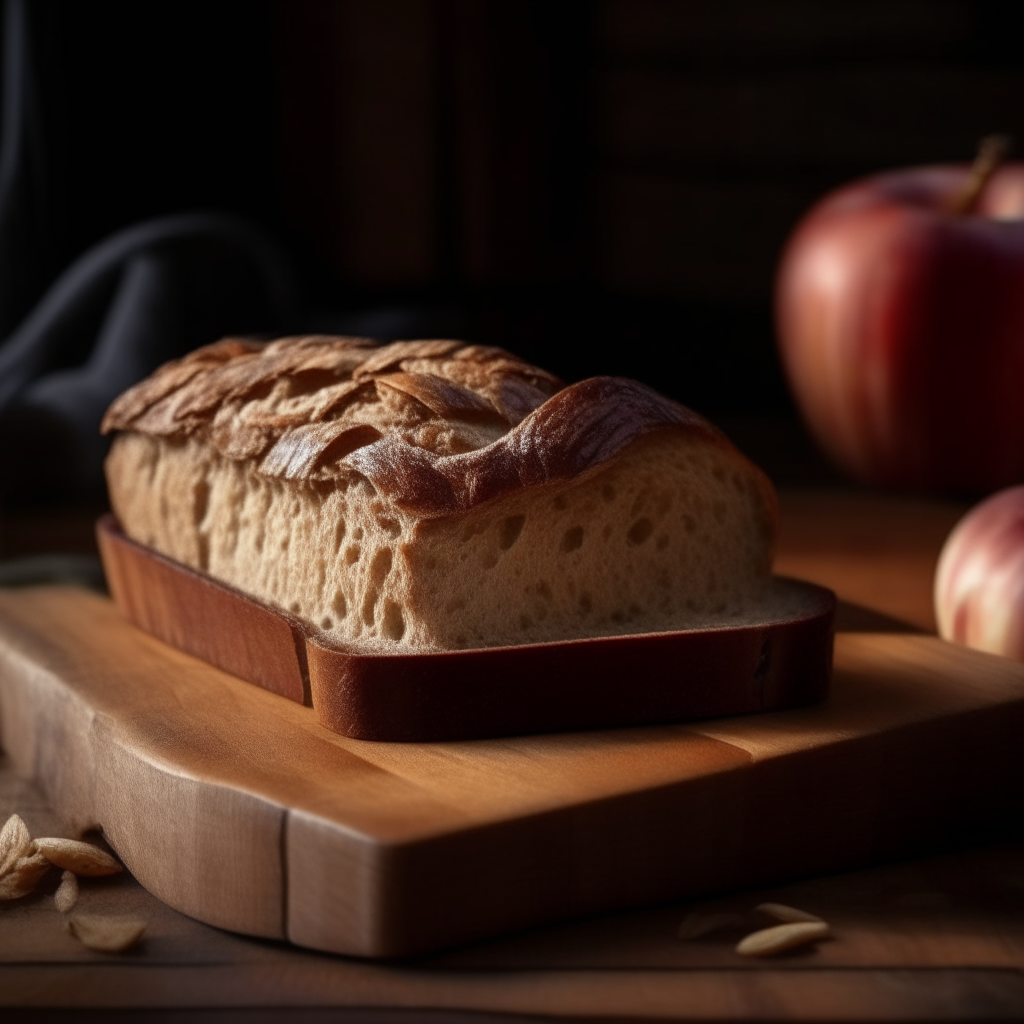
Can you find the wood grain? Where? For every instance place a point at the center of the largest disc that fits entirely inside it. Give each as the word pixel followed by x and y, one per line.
pixel 238 808
pixel 700 995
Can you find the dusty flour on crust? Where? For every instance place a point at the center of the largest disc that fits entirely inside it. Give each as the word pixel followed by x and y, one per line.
pixel 437 495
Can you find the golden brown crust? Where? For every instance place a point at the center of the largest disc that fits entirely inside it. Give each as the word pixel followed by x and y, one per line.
pixel 437 426
pixel 579 429
pixel 289 402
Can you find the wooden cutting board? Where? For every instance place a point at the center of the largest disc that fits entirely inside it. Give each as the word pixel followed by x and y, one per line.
pixel 233 805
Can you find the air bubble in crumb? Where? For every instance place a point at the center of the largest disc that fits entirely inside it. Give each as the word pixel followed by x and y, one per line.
pixel 380 566
pixel 393 624
pixel 572 539
pixel 369 603
pixel 640 530
pixel 509 530
pixel 200 501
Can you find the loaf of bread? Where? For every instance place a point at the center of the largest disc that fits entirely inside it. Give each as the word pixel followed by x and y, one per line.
pixel 438 495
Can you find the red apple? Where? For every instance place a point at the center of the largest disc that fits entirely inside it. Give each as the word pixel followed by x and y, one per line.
pixel 901 326
pixel 979 583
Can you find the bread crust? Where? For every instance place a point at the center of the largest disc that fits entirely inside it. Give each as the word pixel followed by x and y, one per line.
pixel 299 405
pixel 575 432
pixel 369 409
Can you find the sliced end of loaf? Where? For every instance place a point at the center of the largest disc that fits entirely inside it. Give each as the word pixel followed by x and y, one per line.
pixel 674 533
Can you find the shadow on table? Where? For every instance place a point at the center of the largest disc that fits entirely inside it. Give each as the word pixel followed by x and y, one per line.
pixel 855 618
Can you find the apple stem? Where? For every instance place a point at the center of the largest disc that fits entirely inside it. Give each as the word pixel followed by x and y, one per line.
pixel 992 151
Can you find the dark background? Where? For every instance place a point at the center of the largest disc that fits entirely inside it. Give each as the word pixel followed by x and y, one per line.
pixel 600 187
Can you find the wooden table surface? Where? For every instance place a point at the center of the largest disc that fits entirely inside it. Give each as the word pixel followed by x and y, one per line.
pixel 936 938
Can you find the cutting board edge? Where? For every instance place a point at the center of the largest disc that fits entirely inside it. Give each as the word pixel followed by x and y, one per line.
pixel 88 780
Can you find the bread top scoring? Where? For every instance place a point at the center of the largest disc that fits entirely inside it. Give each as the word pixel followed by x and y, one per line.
pixel 436 426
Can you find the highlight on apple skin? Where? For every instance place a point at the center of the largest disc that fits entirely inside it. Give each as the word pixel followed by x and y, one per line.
pixel 979 582
pixel 900 320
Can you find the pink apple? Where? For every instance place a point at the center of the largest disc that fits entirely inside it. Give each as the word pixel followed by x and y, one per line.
pixel 901 326
pixel 979 583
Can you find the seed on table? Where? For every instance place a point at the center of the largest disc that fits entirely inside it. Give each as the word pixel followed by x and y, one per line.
pixel 66 895
pixel 81 858
pixel 15 842
pixel 782 937
pixel 106 934
pixel 23 876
